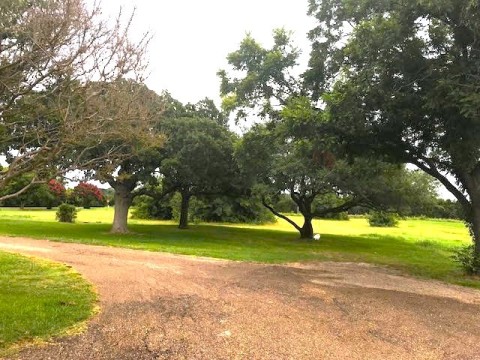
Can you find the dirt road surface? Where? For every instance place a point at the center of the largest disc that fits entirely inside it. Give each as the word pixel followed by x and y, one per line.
pixel 162 306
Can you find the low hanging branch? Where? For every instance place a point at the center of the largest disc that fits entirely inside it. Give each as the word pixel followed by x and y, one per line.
pixel 337 209
pixel 281 216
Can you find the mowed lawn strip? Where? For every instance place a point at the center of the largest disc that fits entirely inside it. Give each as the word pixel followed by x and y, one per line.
pixel 418 247
pixel 39 299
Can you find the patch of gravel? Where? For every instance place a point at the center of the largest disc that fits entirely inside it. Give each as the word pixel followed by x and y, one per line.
pixel 162 306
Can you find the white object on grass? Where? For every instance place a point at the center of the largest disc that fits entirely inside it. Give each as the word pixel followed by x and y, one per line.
pixel 316 237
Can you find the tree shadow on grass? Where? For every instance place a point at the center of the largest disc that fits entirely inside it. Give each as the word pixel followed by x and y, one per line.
pixel 209 235
pixel 429 259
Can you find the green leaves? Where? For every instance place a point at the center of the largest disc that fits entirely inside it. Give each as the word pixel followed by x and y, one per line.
pixel 260 78
pixel 402 78
pixel 248 57
pixel 198 155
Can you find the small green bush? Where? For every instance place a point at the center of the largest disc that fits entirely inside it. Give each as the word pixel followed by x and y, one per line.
pixel 468 259
pixel 66 213
pixel 382 219
pixel 147 208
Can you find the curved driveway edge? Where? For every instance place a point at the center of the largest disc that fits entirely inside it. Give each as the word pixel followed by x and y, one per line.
pixel 162 306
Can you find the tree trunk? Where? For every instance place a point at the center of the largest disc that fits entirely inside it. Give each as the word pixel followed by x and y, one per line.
pixel 306 232
pixel 475 226
pixel 183 223
pixel 123 201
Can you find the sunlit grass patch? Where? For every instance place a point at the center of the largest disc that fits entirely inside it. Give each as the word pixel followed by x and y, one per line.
pixel 39 299
pixel 419 247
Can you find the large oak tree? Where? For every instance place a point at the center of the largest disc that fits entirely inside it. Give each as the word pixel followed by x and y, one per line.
pixel 405 78
pixel 294 151
pixel 137 112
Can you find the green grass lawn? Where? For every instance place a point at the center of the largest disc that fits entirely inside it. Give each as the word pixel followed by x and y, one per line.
pixel 418 247
pixel 39 299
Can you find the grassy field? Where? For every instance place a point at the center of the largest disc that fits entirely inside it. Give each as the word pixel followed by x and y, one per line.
pixel 39 299
pixel 418 247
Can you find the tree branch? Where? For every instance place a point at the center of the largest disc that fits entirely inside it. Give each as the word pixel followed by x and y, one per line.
pixel 153 193
pixel 276 213
pixel 337 209
pixel 22 190
pixel 431 170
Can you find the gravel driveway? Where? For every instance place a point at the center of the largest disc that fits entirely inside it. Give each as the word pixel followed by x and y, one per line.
pixel 162 306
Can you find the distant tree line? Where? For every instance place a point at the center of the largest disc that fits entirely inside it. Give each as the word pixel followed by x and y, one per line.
pixel 437 208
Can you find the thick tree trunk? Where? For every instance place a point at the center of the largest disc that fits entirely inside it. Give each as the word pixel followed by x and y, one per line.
pixel 123 201
pixel 475 226
pixel 183 223
pixel 306 232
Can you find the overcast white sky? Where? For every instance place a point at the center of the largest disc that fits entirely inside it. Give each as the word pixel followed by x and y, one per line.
pixel 192 38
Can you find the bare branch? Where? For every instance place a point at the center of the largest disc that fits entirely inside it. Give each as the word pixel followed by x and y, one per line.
pixel 53 55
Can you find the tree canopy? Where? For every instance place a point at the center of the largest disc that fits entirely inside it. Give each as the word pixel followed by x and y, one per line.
pixel 294 151
pixel 197 159
pixel 137 111
pixel 52 55
pixel 401 80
